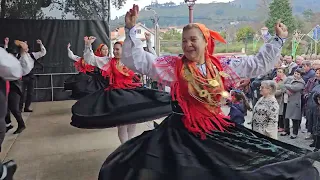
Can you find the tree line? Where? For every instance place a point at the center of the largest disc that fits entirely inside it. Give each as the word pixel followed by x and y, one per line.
pixel 80 9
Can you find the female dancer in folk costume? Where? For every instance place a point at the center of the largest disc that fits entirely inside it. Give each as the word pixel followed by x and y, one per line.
pixel 196 141
pixel 123 103
pixel 89 79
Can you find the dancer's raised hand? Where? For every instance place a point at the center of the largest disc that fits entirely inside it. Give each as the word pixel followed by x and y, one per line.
pixel 69 45
pixel 281 30
pixel 89 40
pixel 132 16
pixel 147 36
pixel 92 39
pixel 6 41
pixel 39 41
pixel 86 40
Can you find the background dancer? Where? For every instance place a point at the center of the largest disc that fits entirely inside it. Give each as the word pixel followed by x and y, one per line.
pixel 14 97
pixel 10 70
pixel 196 141
pixel 89 79
pixel 28 77
pixel 123 102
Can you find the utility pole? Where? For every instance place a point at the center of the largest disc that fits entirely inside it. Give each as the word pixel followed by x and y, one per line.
pixel 109 27
pixel 155 20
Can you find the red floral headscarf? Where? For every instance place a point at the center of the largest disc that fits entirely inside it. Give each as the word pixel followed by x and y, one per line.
pixel 98 50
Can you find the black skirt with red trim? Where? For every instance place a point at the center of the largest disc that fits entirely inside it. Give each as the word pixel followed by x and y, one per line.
pixel 83 84
pixel 115 107
pixel 170 152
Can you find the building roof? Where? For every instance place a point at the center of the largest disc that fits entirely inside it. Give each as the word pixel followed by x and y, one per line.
pixel 119 32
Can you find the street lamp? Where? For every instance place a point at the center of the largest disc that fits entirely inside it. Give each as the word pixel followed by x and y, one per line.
pixel 155 21
pixel 190 4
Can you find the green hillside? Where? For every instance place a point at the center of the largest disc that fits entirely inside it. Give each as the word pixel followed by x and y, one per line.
pixel 298 5
pixel 215 15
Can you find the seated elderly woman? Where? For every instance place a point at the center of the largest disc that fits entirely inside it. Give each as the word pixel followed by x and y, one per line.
pixel 266 111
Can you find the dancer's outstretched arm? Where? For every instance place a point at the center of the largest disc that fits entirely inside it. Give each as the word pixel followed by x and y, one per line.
pixel 89 56
pixel 42 52
pixel 265 60
pixel 135 58
pixel 71 55
pixel 261 63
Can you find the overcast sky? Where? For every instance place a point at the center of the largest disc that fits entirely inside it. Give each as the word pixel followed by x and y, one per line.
pixel 143 3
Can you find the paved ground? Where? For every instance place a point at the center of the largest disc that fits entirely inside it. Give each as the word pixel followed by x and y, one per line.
pixel 51 149
pixel 300 141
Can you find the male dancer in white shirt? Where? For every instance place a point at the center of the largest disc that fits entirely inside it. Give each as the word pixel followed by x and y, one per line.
pixel 28 77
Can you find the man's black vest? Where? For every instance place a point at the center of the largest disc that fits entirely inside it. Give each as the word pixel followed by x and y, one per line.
pixel 32 56
pixel 30 76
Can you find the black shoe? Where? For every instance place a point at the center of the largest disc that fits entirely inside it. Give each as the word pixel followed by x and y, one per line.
pixel 312 145
pixel 284 134
pixel 19 130
pixel 293 137
pixel 11 169
pixel 9 127
pixel 28 110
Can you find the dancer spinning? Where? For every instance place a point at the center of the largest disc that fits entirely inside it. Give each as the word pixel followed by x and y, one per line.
pixel 123 102
pixel 196 141
pixel 10 69
pixel 14 97
pixel 89 79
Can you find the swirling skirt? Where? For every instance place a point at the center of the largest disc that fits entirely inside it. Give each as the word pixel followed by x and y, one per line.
pixel 105 109
pixel 82 84
pixel 170 152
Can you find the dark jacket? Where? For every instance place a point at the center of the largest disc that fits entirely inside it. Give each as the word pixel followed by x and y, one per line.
pixel 310 74
pixel 237 112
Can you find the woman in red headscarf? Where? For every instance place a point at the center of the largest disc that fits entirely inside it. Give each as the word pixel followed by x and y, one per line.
pixel 89 79
pixel 197 141
pixel 124 103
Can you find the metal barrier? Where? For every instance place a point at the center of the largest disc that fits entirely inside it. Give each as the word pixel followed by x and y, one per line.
pixel 147 82
pixel 52 87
